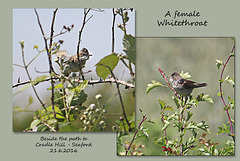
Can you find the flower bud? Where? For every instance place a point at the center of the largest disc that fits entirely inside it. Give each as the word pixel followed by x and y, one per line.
pixel 92 107
pixel 101 123
pixel 98 96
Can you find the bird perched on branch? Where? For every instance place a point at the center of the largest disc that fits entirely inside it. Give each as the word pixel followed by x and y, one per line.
pixel 182 86
pixel 72 63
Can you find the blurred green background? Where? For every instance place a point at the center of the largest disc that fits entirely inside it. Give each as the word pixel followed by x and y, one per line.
pixel 194 55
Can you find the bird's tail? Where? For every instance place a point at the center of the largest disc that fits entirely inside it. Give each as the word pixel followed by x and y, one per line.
pixel 201 85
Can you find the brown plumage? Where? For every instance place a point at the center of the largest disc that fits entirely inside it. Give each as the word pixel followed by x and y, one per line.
pixel 182 86
pixel 73 61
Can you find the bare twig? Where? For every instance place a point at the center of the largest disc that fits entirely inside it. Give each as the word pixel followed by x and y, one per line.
pixel 163 74
pixel 45 41
pixel 113 24
pixel 35 57
pixel 90 82
pixel 134 136
pixel 120 96
pixel 49 50
pixel 67 29
pixel 124 23
pixel 52 28
pixel 50 127
pixel 85 20
pixel 165 131
pixel 18 65
pixel 29 77
pixel 221 94
pixel 180 117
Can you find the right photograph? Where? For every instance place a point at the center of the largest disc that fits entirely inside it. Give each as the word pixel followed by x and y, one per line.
pixel 184 98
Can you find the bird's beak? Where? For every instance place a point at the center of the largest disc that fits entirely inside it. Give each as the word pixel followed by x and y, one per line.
pixel 90 54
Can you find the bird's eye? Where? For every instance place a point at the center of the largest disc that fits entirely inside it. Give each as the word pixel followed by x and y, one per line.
pixel 85 50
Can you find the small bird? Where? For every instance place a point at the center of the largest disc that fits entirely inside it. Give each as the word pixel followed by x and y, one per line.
pixel 73 64
pixel 182 86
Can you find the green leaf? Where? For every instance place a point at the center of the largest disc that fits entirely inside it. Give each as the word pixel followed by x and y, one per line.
pixel 129 47
pixel 219 63
pixel 169 108
pixel 143 133
pixel 204 97
pixel 203 126
pixel 230 81
pixel 69 96
pixel 221 80
pixel 35 47
pixel 111 61
pixel 82 86
pixel 224 129
pixel 21 43
pixel 58 86
pixel 161 103
pixel 39 79
pixel 153 85
pixel 227 107
pixel 166 124
pixel 49 113
pixel 232 55
pixel 51 121
pixel 17 109
pixel 163 106
pixel 79 99
pixel 219 94
pixel 189 115
pixel 151 121
pixel 22 89
pixel 231 102
pixel 185 75
pixel 177 101
pixel 160 141
pixel 35 123
pixel 191 140
pixel 191 126
pixel 30 100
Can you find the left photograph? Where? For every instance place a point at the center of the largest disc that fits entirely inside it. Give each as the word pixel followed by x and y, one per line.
pixel 73 70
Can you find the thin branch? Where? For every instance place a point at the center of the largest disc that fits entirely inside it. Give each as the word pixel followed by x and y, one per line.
pixel 165 131
pixel 50 65
pixel 67 29
pixel 49 50
pixel 134 136
pixel 221 94
pixel 52 27
pixel 124 22
pixel 163 74
pixel 18 65
pixel 79 38
pixel 35 57
pixel 98 10
pixel 113 25
pixel 90 82
pixel 120 96
pixel 50 127
pixel 29 77
pixel 45 41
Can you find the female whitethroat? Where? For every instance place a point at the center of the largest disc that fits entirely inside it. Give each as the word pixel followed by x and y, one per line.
pixel 182 86
pixel 73 64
